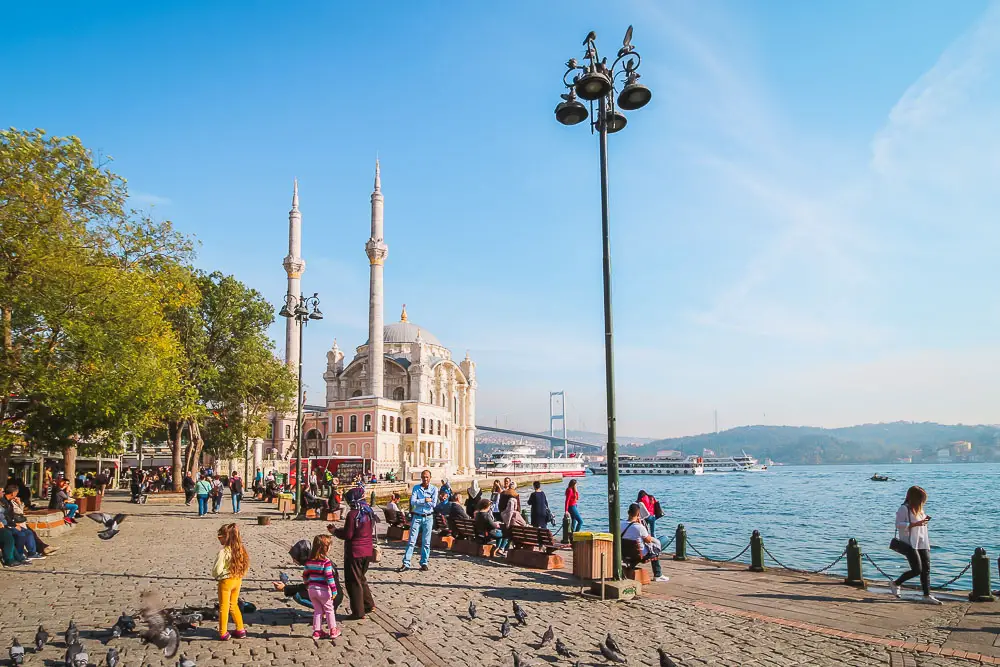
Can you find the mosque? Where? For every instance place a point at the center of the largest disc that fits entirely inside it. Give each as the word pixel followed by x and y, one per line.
pixel 401 403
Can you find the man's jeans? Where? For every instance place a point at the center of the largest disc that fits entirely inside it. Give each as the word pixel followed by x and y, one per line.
pixel 237 497
pixel 24 543
pixel 7 546
pixel 420 526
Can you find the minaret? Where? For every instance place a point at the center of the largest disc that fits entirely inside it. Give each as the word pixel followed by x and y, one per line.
pixel 294 266
pixel 376 249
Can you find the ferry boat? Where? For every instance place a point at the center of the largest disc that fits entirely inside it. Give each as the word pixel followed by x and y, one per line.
pixel 654 465
pixel 524 460
pixel 742 463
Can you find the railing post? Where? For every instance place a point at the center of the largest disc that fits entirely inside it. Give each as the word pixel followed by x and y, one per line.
pixel 566 534
pixel 756 552
pixel 680 543
pixel 981 591
pixel 855 577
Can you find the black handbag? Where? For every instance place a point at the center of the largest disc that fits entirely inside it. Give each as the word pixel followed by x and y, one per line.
pixel 657 510
pixel 899 546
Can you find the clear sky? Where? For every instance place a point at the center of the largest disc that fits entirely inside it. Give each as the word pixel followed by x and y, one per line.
pixel 804 219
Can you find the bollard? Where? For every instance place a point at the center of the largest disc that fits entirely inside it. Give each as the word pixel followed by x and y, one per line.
pixel 566 534
pixel 981 591
pixel 756 552
pixel 854 575
pixel 680 543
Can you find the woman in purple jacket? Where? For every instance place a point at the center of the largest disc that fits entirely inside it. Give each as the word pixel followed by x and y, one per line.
pixel 358 534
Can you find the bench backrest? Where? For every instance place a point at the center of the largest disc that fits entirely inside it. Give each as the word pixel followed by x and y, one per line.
pixel 465 529
pixel 531 536
pixel 390 515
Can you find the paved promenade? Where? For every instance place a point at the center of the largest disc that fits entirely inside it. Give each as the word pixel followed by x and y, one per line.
pixel 704 616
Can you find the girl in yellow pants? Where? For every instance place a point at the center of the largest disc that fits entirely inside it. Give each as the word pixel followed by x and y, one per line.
pixel 231 566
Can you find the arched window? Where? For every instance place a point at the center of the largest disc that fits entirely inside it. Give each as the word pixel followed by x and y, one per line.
pixel 423 425
pixel 340 423
pixel 354 424
pixel 398 394
pixel 384 420
pixel 392 424
pixel 439 427
pixel 368 423
pixel 352 448
pixel 357 392
pixel 364 450
pixel 409 425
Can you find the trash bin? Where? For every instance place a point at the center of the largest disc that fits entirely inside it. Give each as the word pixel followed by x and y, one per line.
pixel 587 550
pixel 286 503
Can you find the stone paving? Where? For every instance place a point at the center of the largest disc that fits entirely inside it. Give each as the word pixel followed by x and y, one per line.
pixel 169 549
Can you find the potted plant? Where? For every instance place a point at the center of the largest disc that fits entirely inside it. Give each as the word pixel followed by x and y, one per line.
pixel 88 500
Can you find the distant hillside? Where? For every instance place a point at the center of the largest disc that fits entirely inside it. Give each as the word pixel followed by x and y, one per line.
pixel 867 443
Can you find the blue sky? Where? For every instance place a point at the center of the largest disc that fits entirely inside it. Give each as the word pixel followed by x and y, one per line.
pixel 804 218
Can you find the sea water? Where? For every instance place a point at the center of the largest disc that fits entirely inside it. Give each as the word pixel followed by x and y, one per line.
pixel 806 514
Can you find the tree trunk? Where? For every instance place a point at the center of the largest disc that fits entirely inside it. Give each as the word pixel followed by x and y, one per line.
pixel 5 462
pixel 175 430
pixel 69 464
pixel 194 451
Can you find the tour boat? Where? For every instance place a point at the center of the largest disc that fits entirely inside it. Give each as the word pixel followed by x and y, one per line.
pixel 654 465
pixel 523 460
pixel 742 463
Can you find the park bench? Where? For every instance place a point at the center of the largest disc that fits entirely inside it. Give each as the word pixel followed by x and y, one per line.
pixel 441 537
pixel 534 547
pixel 398 530
pixel 633 560
pixel 466 541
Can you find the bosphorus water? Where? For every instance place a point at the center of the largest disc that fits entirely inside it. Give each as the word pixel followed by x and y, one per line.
pixel 806 514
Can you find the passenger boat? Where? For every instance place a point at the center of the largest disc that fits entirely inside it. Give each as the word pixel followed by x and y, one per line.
pixel 524 460
pixel 654 465
pixel 742 463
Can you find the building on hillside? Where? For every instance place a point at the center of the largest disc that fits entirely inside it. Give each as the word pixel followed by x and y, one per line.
pixel 401 402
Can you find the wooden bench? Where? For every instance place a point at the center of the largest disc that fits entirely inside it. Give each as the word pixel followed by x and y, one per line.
pixel 534 548
pixel 632 561
pixel 466 541
pixel 441 537
pixel 397 531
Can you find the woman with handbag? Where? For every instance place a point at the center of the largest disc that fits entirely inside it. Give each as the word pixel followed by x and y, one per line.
pixel 913 542
pixel 358 534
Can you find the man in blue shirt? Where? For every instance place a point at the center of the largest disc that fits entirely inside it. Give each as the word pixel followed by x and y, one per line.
pixel 423 499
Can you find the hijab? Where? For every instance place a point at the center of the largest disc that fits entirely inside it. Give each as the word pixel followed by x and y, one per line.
pixel 356 499
pixel 511 516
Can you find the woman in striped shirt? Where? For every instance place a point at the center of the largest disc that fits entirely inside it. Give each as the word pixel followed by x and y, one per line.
pixel 322 587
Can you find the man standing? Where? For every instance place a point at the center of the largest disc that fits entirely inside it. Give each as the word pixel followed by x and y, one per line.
pixel 422 502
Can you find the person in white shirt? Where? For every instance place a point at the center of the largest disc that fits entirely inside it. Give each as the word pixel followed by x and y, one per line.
pixel 911 526
pixel 634 529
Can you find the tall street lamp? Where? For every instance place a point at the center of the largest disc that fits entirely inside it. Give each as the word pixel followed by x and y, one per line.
pixel 297 307
pixel 595 81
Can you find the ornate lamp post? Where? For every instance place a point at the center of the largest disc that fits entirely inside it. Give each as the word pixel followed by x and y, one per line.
pixel 595 81
pixel 297 307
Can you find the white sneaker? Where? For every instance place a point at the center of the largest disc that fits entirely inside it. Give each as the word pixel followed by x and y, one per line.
pixel 894 589
pixel 930 599
pixel 663 577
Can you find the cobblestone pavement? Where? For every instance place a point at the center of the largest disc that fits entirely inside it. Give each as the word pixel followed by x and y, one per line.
pixel 169 549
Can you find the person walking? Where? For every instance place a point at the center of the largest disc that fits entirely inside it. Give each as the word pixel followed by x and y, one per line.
pixel 231 565
pixel 572 498
pixel 313 482
pixel 358 534
pixel 914 543
pixel 634 529
pixel 201 491
pixel 216 494
pixel 422 502
pixel 188 485
pixel 321 587
pixel 236 491
pixel 647 511
pixel 539 505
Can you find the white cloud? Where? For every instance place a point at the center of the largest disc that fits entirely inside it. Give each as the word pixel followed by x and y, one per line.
pixel 147 199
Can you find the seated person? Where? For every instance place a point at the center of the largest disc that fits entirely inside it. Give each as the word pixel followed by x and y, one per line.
pixel 488 529
pixel 60 500
pixel 18 542
pixel 455 511
pixel 441 511
pixel 336 500
pixel 312 502
pixel 635 529
pixel 300 592
pixel 394 516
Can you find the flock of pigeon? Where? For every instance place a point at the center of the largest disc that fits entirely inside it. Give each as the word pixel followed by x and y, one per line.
pixel 76 654
pixel 609 648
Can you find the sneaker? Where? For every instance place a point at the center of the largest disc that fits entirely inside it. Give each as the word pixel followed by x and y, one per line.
pixel 894 589
pixel 240 634
pixel 36 556
pixel 402 568
pixel 930 599
pixel 663 577
pixel 20 563
pixel 225 638
pixel 335 633
pixel 424 568
pixel 320 635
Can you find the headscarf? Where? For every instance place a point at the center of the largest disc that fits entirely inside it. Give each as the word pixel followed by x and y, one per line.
pixel 474 488
pixel 356 499
pixel 511 515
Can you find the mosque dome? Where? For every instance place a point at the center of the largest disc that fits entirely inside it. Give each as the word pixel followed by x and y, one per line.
pixel 405 331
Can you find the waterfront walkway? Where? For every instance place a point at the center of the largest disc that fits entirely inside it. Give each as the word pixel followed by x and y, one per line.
pixel 706 615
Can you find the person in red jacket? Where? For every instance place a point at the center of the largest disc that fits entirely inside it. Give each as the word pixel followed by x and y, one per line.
pixel 648 513
pixel 572 498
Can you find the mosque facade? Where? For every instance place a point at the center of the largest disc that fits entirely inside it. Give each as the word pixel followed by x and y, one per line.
pixel 401 402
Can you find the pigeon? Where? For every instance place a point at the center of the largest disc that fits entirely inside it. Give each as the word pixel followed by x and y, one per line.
pixel 591 36
pixel 284 578
pixel 41 637
pixel 110 523
pixel 126 622
pixel 16 653
pixel 665 660
pixel 112 658
pixel 116 631
pixel 411 629
pixel 472 609
pixel 72 635
pixel 185 662
pixel 547 637
pixel 610 642
pixel 519 613
pixel 76 656
pixel 519 661
pixel 505 628
pixel 562 650
pixel 613 656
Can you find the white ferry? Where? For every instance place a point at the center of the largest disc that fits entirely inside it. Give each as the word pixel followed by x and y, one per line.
pixel 742 463
pixel 654 465
pixel 523 460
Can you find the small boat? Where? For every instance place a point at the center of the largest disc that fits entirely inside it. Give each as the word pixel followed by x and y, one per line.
pixel 879 478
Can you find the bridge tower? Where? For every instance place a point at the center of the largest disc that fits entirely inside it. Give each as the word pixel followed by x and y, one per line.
pixel 557 413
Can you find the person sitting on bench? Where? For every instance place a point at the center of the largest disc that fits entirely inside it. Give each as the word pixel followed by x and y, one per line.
pixel 488 529
pixel 313 502
pixel 635 529
pixel 394 516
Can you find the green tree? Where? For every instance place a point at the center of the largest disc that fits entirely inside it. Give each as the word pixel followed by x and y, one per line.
pixel 87 354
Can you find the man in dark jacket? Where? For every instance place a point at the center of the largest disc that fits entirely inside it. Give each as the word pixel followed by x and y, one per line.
pixel 539 505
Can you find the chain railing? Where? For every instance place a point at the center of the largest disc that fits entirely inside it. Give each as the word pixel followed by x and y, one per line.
pixel 940 587
pixel 801 571
pixel 717 560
